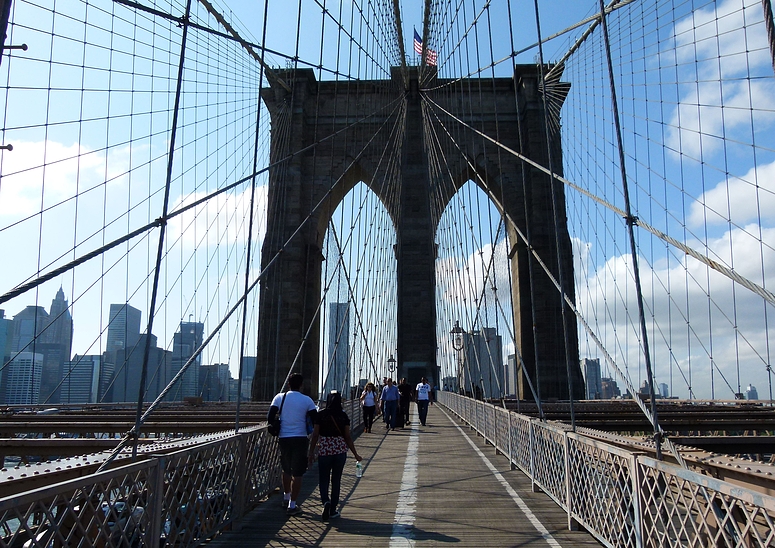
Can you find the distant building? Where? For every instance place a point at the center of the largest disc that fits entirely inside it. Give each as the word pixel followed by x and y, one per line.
pixel 23 379
pixel 81 379
pixel 6 333
pixel 592 378
pixel 610 389
pixel 664 390
pixel 49 334
pixel 125 380
pixel 214 382
pixel 123 327
pixel 337 374
pixel 123 336
pixel 480 364
pixel 185 342
pixel 28 326
pixel 248 372
pixel 234 388
pixel 511 380
pixel 751 393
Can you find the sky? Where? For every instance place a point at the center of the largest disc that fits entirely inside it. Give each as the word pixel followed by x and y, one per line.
pixel 698 156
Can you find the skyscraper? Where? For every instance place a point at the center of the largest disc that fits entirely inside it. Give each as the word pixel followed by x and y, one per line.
pixel 81 377
pixel 49 334
pixel 124 385
pixel 185 342
pixel 123 336
pixel 58 339
pixel 214 382
pixel 123 327
pixel 28 325
pixel 248 371
pixel 338 366
pixel 6 333
pixel 23 379
pixel 481 363
pixel 594 385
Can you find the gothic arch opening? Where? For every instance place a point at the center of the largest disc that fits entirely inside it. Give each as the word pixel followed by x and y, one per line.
pixel 358 293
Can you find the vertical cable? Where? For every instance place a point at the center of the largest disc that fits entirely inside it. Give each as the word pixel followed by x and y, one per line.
pixel 162 228
pixel 630 220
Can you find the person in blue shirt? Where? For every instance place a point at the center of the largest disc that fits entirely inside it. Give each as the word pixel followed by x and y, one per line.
pixel 389 400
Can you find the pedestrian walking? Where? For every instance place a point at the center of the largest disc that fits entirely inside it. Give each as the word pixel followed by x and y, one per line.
pixel 424 397
pixel 294 408
pixel 389 400
pixel 405 392
pixel 369 399
pixel 332 438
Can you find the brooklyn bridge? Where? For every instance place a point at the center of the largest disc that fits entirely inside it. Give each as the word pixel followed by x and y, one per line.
pixel 558 214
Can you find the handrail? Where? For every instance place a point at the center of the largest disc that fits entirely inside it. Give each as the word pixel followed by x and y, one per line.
pixel 179 499
pixel 623 498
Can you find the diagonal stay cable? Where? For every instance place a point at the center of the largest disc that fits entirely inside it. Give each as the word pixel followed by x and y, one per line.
pixel 135 429
pixel 715 265
pixel 556 283
pixel 23 288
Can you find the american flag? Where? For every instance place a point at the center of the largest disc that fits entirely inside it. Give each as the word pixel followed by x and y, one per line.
pixel 430 55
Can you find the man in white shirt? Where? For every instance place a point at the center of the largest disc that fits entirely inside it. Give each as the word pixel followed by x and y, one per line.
pixel 296 407
pixel 424 397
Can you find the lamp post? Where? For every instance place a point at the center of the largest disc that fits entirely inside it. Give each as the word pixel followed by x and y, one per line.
pixel 457 345
pixel 457 336
pixel 391 363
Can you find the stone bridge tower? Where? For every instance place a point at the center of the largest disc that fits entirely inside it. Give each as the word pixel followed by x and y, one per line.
pixel 309 123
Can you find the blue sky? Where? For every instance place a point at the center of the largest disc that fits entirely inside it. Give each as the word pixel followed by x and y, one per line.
pixel 696 104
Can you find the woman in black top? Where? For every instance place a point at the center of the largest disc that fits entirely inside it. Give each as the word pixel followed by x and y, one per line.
pixel 332 431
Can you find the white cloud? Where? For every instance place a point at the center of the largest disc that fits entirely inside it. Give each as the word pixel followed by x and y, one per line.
pixel 694 315
pixel 221 221
pixel 718 50
pixel 740 200
pixel 43 173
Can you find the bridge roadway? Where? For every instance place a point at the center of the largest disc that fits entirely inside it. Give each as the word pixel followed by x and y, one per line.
pixel 430 485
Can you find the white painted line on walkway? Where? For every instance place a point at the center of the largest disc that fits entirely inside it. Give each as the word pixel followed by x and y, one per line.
pixel 403 522
pixel 547 536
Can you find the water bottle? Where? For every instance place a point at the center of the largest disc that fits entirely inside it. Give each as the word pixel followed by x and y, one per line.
pixel 358 469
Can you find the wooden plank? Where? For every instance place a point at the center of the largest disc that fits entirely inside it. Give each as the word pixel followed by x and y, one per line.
pixel 458 499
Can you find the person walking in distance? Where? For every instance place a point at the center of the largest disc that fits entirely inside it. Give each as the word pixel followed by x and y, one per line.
pixel 332 437
pixel 390 404
pixel 296 407
pixel 405 390
pixel 424 395
pixel 369 401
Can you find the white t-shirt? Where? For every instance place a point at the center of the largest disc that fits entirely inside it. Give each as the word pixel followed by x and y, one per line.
pixel 423 391
pixel 369 399
pixel 293 419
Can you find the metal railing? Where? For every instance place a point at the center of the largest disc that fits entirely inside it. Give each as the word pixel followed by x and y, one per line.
pixel 176 499
pixel 623 498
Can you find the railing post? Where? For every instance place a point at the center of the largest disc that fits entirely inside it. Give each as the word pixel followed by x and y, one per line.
pixel 637 510
pixel 242 477
pixel 512 452
pixel 572 523
pixel 153 537
pixel 533 485
pixel 496 437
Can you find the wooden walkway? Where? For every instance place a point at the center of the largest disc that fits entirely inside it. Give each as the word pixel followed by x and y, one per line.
pixel 422 486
